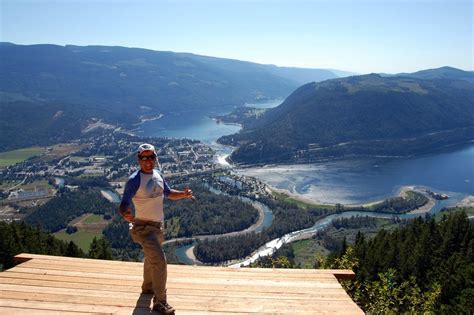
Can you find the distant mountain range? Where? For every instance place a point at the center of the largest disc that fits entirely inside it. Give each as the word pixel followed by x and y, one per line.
pixel 118 85
pixel 366 115
pixel 132 79
pixel 57 90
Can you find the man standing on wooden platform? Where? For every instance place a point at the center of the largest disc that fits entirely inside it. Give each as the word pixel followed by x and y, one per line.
pixel 146 189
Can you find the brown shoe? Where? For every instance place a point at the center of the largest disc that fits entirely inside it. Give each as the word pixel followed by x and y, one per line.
pixel 163 308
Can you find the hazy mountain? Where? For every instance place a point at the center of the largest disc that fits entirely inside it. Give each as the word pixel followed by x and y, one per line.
pixel 438 73
pixel 362 115
pixel 342 74
pixel 299 75
pixel 128 78
pixel 442 73
pixel 119 84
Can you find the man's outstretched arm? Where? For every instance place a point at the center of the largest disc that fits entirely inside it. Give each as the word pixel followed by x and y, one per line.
pixel 178 194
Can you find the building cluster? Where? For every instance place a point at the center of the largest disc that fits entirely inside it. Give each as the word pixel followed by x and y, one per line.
pixel 111 156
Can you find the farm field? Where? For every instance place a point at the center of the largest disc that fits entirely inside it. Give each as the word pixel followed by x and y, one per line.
pixel 16 156
pixel 88 226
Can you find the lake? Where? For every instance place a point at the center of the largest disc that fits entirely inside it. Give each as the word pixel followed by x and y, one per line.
pixel 191 125
pixel 348 182
pixel 362 181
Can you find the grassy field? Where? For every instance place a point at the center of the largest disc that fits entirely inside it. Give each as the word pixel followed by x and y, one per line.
pixel 93 218
pixel 299 203
pixel 37 184
pixel 82 238
pixel 89 225
pixel 62 149
pixel 12 157
pixel 40 184
pixel 79 159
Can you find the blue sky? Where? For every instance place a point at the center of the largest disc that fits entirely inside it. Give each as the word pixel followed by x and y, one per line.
pixel 359 36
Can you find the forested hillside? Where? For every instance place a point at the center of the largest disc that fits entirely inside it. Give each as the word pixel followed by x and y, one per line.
pixel 424 261
pixel 21 238
pixel 17 238
pixel 59 211
pixel 421 267
pixel 288 217
pixel 361 115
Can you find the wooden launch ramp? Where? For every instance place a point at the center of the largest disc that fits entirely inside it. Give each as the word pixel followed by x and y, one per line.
pixel 43 284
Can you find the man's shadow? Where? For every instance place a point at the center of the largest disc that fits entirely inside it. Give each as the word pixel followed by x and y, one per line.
pixel 143 305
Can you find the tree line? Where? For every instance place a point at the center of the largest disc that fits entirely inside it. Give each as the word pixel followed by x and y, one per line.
pixel 16 238
pixel 287 217
pixel 55 214
pixel 435 258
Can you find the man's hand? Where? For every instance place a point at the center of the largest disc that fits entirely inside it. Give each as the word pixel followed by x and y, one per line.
pixel 127 215
pixel 181 194
pixel 188 194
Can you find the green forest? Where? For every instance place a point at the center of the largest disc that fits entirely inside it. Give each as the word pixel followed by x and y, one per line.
pixel 288 217
pixel 424 266
pixel 59 211
pixel 16 238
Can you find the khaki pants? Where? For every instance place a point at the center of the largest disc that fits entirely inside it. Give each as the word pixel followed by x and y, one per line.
pixel 150 237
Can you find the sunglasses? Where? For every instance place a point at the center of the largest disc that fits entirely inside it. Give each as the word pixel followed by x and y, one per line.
pixel 147 158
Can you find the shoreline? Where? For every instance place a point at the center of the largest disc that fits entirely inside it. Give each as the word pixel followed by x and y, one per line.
pixel 467 202
pixel 401 193
pixel 190 255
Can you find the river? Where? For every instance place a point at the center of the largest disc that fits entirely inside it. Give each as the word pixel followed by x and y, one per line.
pixel 270 247
pixel 182 252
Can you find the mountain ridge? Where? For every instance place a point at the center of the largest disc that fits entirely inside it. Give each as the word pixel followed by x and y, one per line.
pixel 368 114
pixel 126 76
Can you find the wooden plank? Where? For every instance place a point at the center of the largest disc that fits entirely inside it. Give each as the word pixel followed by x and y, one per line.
pixel 205 291
pixel 61 278
pixel 250 305
pixel 222 274
pixel 27 256
pixel 223 281
pixel 183 267
pixel 64 307
pixel 202 293
pixel 34 295
pixel 36 311
pixel 16 307
pixel 80 274
pixel 134 286
pixel 102 265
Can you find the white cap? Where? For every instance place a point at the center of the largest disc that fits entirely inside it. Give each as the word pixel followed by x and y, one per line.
pixel 146 147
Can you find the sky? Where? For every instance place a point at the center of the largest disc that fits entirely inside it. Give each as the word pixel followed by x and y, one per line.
pixel 358 36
